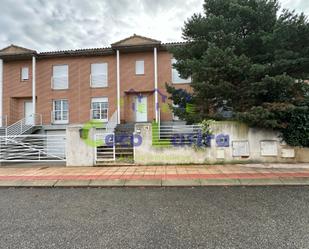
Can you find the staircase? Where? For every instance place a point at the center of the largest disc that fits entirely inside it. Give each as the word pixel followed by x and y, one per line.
pixel 2 132
pixel 26 125
pixel 122 138
pixel 3 124
pixel 19 144
pixel 124 141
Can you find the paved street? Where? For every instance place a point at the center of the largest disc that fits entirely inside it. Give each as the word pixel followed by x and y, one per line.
pixel 213 217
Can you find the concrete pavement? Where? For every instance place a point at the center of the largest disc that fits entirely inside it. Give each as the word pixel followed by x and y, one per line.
pixel 155 176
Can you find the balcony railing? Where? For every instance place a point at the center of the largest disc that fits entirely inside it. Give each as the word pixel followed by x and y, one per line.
pixel 60 117
pixel 92 117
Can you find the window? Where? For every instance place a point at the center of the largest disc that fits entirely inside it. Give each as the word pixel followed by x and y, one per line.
pixel 176 79
pixel 60 112
pixel 60 79
pixel 99 75
pixel 99 109
pixel 25 73
pixel 139 68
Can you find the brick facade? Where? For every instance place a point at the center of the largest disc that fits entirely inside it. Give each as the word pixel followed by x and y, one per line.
pixel 79 92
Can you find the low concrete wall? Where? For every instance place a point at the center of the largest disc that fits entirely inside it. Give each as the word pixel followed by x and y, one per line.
pixel 243 144
pixel 78 153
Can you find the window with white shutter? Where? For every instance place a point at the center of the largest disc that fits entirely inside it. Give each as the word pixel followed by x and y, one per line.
pixel 60 79
pixel 176 78
pixel 139 67
pixel 99 75
pixel 25 73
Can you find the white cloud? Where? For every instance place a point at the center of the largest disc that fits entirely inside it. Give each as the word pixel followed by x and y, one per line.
pixel 70 24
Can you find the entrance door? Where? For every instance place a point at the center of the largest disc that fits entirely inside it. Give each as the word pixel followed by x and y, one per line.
pixel 28 113
pixel 141 109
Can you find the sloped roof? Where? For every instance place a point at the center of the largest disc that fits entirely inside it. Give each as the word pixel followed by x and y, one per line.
pixel 77 52
pixel 136 40
pixel 132 43
pixel 16 50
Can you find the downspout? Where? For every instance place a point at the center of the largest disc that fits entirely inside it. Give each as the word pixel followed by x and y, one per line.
pixel 118 87
pixel 33 85
pixel 156 83
pixel 1 92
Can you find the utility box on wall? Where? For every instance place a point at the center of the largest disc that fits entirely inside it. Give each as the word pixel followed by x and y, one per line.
pixel 241 149
pixel 269 148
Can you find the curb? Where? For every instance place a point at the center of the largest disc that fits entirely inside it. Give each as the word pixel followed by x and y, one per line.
pixel 243 182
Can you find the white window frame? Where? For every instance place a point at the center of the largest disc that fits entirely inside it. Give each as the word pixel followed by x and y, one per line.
pixel 99 80
pixel 24 74
pixel 176 79
pixel 62 111
pixel 102 101
pixel 64 78
pixel 140 67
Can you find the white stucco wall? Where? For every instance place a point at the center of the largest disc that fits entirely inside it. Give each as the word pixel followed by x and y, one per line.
pixel 148 154
pixel 78 153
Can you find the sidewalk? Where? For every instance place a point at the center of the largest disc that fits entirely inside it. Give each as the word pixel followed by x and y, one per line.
pixel 155 176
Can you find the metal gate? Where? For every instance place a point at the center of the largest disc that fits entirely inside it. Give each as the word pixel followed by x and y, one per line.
pixel 114 146
pixel 106 147
pixel 32 148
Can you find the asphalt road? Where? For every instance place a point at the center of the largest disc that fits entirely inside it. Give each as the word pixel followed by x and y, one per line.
pixel 265 217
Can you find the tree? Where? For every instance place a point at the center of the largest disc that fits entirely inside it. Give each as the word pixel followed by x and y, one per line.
pixel 250 60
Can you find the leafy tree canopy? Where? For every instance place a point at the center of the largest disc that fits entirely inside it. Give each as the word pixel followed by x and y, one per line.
pixel 249 61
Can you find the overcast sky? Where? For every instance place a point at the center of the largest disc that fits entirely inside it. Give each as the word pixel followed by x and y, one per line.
pixel 46 25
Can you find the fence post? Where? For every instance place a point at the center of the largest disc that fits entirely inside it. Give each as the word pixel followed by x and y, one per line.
pixel 114 147
pixel 79 151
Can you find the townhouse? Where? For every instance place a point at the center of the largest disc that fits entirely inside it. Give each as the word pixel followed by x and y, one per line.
pixel 124 82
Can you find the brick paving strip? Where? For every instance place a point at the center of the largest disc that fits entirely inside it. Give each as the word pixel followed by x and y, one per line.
pixel 155 176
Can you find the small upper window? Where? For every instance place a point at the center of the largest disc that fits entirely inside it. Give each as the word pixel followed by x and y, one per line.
pixel 25 73
pixel 60 78
pixel 99 75
pixel 176 79
pixel 139 67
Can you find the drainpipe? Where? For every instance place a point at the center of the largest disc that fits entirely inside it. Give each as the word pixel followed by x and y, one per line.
pixel 156 83
pixel 33 84
pixel 118 87
pixel 1 92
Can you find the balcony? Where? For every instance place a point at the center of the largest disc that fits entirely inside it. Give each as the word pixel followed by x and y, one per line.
pixel 60 117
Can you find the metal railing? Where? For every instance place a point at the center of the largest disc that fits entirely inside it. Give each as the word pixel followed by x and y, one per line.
pixel 3 121
pixel 98 119
pixel 176 134
pixel 64 117
pixel 23 125
pixel 32 148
